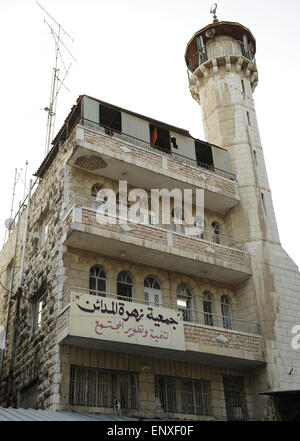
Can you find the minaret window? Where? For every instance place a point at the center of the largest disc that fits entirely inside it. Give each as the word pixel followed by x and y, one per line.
pixel 97 281
pixel 263 203
pixel 248 118
pixel 124 286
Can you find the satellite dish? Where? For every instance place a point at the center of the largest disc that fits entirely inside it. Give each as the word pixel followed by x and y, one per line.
pixel 8 223
pixel 210 33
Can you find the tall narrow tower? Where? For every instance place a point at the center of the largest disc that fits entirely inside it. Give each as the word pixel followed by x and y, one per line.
pixel 223 76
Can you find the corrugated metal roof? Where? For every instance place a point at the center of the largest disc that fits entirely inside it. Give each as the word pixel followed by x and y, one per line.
pixel 11 414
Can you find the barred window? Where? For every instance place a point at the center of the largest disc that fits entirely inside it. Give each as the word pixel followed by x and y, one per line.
pixel 28 396
pixel 234 398
pixel 178 395
pixel 99 388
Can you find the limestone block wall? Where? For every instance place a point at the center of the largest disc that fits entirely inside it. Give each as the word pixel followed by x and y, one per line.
pixel 36 354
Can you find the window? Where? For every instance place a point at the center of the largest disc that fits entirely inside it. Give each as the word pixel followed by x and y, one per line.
pixel 208 308
pixel 122 206
pixel 152 291
pixel 248 118
pixel 243 86
pixel 124 286
pixel 97 281
pixel 28 396
pixel 185 302
pixel 204 155
pixel 263 203
pixel 226 312
pixel 177 395
pixel 44 230
pixel 255 157
pixel 110 119
pixel 99 387
pixel 96 202
pixel 174 143
pixel 37 315
pixel 234 398
pixel 215 232
pixel 160 138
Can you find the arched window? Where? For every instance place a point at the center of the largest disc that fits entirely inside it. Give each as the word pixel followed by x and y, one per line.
pixel 185 302
pixel 152 291
pixel 208 308
pixel 97 283
pixel 122 206
pixel 226 312
pixel 124 286
pixel 216 232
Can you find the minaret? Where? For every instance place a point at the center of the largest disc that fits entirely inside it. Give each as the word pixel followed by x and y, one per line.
pixel 223 76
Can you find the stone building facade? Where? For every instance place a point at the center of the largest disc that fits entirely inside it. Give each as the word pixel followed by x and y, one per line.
pixel 170 324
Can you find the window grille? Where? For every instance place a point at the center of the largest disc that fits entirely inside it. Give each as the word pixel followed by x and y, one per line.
pixel 99 388
pixel 28 396
pixel 178 395
pixel 234 398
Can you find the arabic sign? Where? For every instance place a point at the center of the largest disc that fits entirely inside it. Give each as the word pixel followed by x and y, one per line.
pixel 127 322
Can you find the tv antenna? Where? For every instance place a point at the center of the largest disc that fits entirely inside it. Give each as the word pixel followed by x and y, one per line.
pixel 61 37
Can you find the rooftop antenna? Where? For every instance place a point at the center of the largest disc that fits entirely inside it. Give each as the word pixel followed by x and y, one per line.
pixel 9 221
pixel 60 35
pixel 213 11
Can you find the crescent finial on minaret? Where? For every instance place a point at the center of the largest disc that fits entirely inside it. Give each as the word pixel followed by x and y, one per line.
pixel 213 11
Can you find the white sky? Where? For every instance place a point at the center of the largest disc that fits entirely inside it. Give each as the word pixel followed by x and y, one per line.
pixel 131 54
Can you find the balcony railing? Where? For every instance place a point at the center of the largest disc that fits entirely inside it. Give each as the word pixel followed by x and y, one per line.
pixel 189 316
pixel 218 48
pixel 162 151
pixel 122 212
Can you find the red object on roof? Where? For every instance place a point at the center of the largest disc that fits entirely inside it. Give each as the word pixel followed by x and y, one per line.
pixel 153 137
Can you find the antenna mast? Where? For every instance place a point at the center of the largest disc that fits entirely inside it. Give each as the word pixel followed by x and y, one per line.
pixel 59 34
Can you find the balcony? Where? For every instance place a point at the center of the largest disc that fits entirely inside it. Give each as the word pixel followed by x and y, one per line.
pixel 204 254
pixel 134 326
pixel 218 49
pixel 111 153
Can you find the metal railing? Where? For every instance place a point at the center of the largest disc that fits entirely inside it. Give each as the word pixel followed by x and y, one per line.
pixel 122 211
pixel 162 151
pixel 219 48
pixel 189 316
